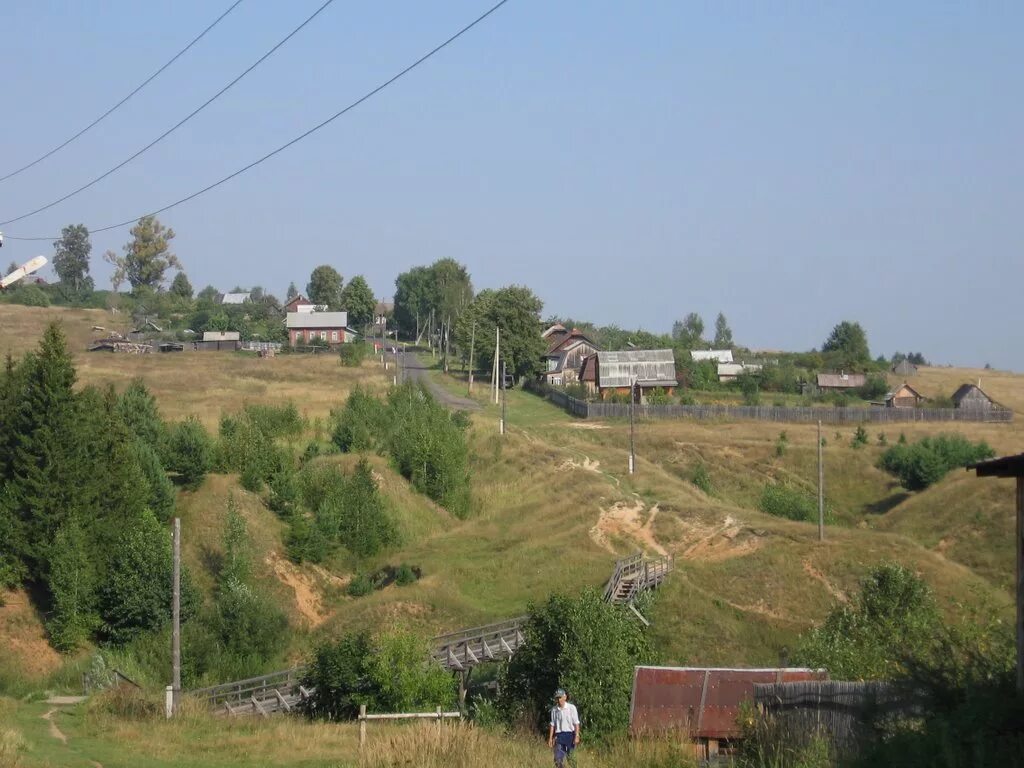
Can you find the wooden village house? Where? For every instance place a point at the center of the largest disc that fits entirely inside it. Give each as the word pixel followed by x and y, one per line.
pixel 564 355
pixel 331 327
pixel 616 373
pixel 300 303
pixel 972 397
pixel 904 397
pixel 840 382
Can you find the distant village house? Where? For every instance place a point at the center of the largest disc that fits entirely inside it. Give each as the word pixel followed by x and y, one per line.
pixel 905 368
pixel 307 327
pixel 841 382
pixel 639 370
pixel 972 397
pixel 904 397
pixel 715 355
pixel 732 371
pixel 565 353
pixel 218 341
pixel 233 298
pixel 301 304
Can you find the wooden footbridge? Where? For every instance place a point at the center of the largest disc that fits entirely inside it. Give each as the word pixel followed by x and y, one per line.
pixel 457 652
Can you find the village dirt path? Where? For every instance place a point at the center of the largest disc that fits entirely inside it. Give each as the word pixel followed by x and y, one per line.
pixel 414 368
pixel 58 734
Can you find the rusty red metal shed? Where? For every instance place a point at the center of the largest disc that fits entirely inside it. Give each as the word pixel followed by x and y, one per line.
pixel 702 701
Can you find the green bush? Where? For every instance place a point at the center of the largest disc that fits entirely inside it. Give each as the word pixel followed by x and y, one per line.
pixel 893 618
pixel 405 575
pixel 392 672
pixel 781 444
pixel 792 503
pixel 582 644
pixel 275 420
pixel 860 437
pixel 360 586
pixel 190 451
pixel 133 597
pixel 929 460
pixel 702 478
pixel 354 353
pixel 359 425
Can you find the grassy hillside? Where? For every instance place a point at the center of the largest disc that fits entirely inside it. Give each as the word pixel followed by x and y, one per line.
pixel 553 507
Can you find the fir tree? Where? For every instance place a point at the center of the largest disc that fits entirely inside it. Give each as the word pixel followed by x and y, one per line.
pixel 73 587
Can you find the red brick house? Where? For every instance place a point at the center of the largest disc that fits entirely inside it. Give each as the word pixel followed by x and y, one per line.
pixel 306 327
pixel 301 304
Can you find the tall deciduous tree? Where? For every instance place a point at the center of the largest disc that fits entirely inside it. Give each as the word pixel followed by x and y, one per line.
pixel 147 256
pixel 689 331
pixel 325 285
pixel 358 300
pixel 71 257
pixel 847 345
pixel 516 311
pixel 723 333
pixel 438 294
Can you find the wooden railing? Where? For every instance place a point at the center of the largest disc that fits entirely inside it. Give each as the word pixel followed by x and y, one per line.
pixel 456 651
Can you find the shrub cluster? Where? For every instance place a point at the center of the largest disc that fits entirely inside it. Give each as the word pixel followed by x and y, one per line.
pixel 352 355
pixel 426 443
pixel 344 510
pixel 792 503
pixel 927 461
pixel 391 672
pixel 403 576
pixel 247 442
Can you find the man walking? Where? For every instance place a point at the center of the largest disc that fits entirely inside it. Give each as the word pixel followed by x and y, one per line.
pixel 564 732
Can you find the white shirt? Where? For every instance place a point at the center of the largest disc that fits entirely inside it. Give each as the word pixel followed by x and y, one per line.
pixel 564 719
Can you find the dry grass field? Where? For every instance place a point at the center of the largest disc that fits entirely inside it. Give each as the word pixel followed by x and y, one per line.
pixel 552 499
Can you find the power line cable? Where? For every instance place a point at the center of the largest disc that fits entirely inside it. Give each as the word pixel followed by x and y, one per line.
pixel 300 137
pixel 177 125
pixel 119 104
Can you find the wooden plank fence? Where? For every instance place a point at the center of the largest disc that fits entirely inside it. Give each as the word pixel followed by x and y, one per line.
pixel 797 414
pixel 833 709
pixel 437 715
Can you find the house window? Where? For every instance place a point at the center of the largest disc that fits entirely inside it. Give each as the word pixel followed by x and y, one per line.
pixel 334 335
pixel 323 335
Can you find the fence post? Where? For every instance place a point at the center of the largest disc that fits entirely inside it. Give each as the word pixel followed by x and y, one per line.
pixel 362 725
pixel 439 720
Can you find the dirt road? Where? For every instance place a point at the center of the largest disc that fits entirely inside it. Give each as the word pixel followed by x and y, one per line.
pixel 416 369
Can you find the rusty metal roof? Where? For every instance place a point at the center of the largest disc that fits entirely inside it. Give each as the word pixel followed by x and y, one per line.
pixel 703 701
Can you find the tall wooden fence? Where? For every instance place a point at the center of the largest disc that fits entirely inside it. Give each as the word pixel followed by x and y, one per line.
pixel 827 415
pixel 832 709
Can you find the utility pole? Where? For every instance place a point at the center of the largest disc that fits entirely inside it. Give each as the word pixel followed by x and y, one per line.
pixel 503 398
pixel 472 343
pixel 821 489
pixel 632 420
pixel 497 356
pixel 176 616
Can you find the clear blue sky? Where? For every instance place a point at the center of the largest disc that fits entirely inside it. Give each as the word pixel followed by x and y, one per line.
pixel 791 165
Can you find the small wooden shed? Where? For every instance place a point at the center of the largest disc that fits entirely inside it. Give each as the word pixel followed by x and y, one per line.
pixel 972 397
pixel 904 397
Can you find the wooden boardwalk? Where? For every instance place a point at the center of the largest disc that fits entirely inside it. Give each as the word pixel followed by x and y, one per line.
pixel 457 652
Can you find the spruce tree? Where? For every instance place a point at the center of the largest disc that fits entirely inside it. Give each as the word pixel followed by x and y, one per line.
pixel 73 587
pixel 43 485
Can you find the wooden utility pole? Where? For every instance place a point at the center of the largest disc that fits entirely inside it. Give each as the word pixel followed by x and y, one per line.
pixel 176 615
pixel 503 398
pixel 497 356
pixel 472 343
pixel 821 489
pixel 632 441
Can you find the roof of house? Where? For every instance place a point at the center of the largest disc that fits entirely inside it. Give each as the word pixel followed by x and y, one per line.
pixel 899 392
pixel 297 299
pixel 645 367
pixel 234 298
pixel 561 342
pixel 966 389
pixel 222 336
pixel 735 369
pixel 842 380
pixel 1004 466
pixel 553 329
pixel 316 320
pixel 721 355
